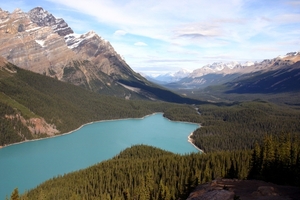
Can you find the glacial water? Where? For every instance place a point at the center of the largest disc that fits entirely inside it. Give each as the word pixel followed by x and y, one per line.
pixel 28 164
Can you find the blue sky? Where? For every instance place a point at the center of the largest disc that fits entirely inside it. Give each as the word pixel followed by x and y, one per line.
pixel 156 37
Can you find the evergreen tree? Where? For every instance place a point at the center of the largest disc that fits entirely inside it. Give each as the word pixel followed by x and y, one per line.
pixel 15 195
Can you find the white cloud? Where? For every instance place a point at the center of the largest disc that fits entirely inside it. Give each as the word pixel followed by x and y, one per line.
pixel 120 33
pixel 140 44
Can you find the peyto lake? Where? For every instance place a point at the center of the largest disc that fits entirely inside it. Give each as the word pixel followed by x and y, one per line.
pixel 28 164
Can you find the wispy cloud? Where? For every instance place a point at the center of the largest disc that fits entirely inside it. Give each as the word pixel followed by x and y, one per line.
pixel 140 44
pixel 120 33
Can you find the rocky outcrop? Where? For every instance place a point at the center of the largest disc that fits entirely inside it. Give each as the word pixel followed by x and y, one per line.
pixel 36 126
pixel 231 189
pixel 43 18
pixel 211 191
pixel 264 191
pixel 40 126
pixel 32 47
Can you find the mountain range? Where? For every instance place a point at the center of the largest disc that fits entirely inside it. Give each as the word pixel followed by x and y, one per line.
pixel 168 77
pixel 39 42
pixel 281 76
pixel 221 73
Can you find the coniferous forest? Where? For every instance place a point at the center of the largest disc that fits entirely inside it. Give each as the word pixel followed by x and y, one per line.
pixel 143 172
pixel 240 125
pixel 243 140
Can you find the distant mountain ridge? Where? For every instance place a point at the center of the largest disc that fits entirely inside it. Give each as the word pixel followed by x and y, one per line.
pixel 220 73
pixel 39 42
pixel 169 77
pixel 281 79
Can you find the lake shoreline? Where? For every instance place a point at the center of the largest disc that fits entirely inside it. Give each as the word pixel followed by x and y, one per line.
pixel 63 134
pixel 190 140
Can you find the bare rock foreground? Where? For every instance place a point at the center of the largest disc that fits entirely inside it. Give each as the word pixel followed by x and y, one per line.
pixel 232 189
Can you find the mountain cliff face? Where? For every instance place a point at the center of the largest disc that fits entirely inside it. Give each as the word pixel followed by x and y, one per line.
pixel 30 46
pixel 43 18
pixel 39 42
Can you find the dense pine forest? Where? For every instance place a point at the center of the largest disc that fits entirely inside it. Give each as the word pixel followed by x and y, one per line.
pixel 240 125
pixel 244 140
pixel 143 172
pixel 277 159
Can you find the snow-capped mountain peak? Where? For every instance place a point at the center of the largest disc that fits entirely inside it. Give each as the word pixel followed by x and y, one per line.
pixel 217 67
pixel 171 76
pixel 181 73
pixel 248 64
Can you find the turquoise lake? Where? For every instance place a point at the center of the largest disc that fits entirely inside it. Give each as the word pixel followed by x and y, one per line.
pixel 28 164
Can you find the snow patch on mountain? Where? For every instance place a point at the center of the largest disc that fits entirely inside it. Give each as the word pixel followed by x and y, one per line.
pixel 73 40
pixel 43 18
pixel 33 29
pixel 248 64
pixel 217 68
pixel 41 42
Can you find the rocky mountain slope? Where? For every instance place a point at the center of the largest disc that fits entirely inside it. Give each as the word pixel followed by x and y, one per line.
pixel 219 73
pixel 282 78
pixel 39 42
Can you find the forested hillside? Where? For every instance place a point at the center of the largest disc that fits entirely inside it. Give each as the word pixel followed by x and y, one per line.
pixel 27 95
pixel 143 172
pixel 240 125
